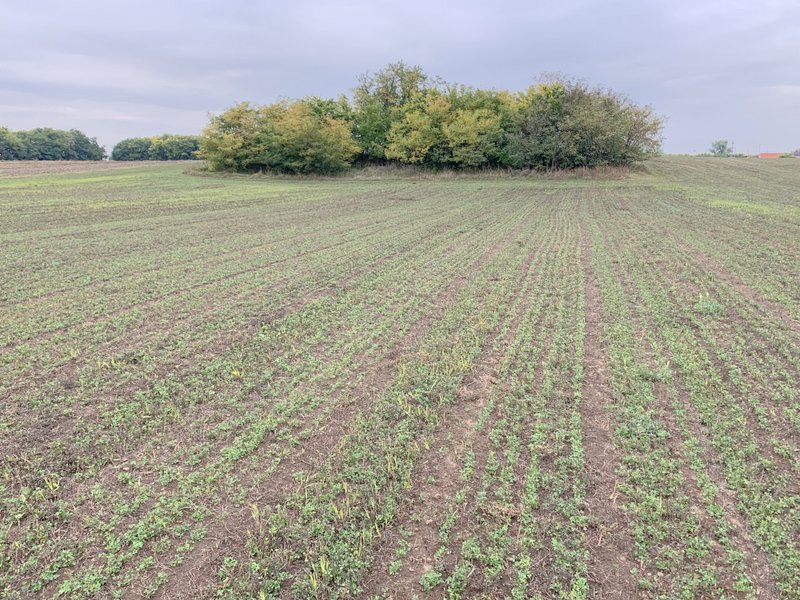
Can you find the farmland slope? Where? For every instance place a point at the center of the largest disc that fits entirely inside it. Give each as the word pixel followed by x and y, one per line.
pixel 460 387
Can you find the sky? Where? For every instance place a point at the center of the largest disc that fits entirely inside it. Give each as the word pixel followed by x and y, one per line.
pixel 716 69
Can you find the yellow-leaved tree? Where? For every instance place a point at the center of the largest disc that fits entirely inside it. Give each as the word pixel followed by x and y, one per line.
pixel 287 137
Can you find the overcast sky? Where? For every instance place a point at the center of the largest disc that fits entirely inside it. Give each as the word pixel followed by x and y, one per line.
pixel 116 69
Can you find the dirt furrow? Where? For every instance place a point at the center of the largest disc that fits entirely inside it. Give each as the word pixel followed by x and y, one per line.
pixel 610 560
pixel 231 540
pixel 437 478
pixel 110 472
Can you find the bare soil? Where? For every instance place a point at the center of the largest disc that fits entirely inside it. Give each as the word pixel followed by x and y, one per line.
pixel 25 168
pixel 610 558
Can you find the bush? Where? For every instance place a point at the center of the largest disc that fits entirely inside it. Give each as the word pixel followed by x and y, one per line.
pixel 564 124
pixel 287 137
pixel 401 115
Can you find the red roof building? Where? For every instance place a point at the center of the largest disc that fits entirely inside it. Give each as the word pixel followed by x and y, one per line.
pixel 769 155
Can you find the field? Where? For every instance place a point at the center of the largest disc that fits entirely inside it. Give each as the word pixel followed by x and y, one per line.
pixel 433 387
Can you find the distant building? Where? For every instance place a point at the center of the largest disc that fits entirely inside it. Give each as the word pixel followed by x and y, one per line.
pixel 770 155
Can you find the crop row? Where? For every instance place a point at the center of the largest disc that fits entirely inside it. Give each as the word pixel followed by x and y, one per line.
pixel 148 413
pixel 681 415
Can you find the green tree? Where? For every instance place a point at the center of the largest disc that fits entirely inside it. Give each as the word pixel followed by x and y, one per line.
pixel 162 147
pixel 83 147
pixel 339 108
pixel 454 127
pixel 473 137
pixel 44 143
pixel 173 147
pixel 393 86
pixel 641 128
pixel 131 149
pixel 378 102
pixel 477 127
pixel 231 140
pixel 418 136
pixel 593 129
pixel 721 148
pixel 297 140
pixel 288 137
pixel 11 147
pixel 538 137
pixel 563 124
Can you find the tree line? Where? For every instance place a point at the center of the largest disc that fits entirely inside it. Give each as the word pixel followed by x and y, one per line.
pixel 44 143
pixel 402 115
pixel 162 147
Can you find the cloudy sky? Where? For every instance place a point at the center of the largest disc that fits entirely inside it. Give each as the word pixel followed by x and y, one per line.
pixel 116 69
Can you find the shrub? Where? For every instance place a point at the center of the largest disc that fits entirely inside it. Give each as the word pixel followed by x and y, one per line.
pixel 402 115
pixel 287 137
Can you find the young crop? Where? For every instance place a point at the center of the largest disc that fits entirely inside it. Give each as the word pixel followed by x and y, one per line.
pixel 459 387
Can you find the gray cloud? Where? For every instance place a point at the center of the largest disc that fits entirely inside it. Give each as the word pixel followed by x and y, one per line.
pixel 118 69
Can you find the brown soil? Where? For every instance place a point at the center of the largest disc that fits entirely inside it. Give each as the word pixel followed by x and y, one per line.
pixel 437 476
pixel 610 545
pixel 22 168
pixel 238 523
pixel 780 315
pixel 756 560
pixel 108 473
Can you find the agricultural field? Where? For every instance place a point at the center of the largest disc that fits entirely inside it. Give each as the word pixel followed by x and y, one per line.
pixel 409 387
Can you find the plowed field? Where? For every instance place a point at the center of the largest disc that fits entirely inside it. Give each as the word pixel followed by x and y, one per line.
pixel 441 387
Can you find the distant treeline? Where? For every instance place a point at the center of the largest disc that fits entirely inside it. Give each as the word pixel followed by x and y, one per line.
pixel 163 147
pixel 402 115
pixel 48 144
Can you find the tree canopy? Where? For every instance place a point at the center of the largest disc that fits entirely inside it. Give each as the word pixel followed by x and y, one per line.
pixel 288 137
pixel 163 147
pixel 721 148
pixel 48 144
pixel 400 114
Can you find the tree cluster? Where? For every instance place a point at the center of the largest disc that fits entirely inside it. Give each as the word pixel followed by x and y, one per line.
pixel 402 115
pixel 291 137
pixel 48 144
pixel 163 147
